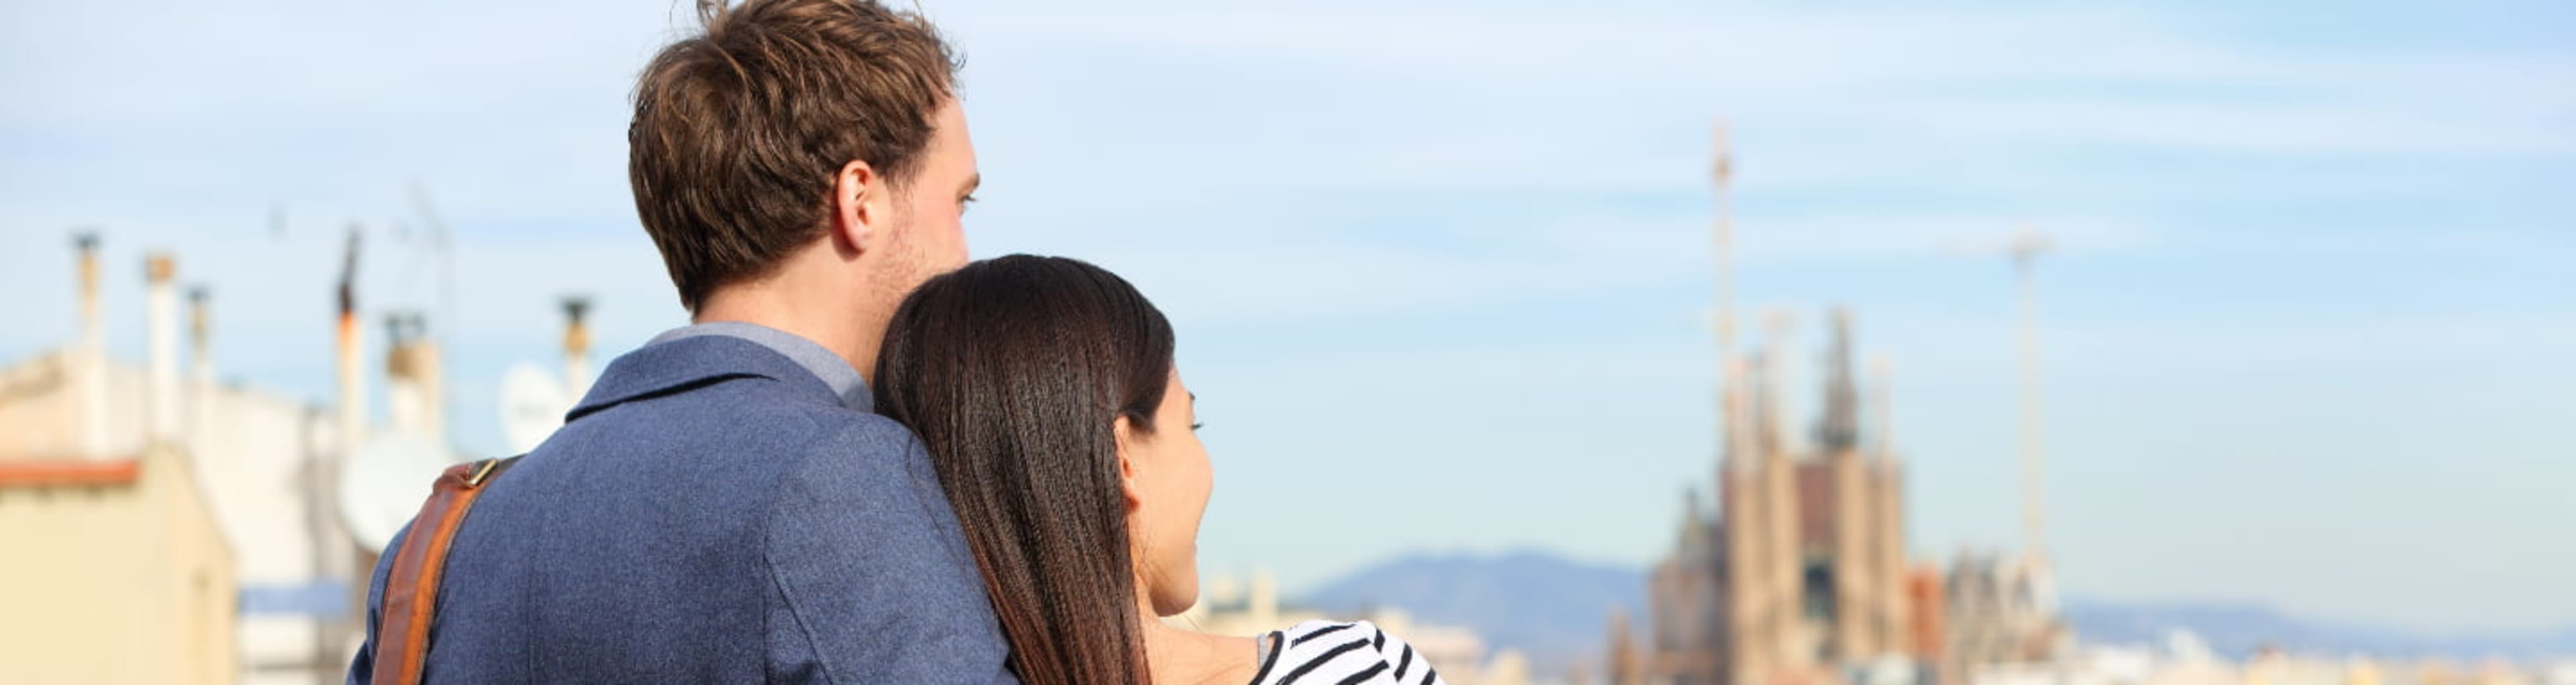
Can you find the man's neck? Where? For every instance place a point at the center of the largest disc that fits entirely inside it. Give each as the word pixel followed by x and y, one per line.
pixel 846 328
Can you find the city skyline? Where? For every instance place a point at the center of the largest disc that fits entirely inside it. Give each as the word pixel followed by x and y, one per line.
pixel 2306 340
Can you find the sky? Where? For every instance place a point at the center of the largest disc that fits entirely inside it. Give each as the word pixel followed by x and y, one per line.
pixel 1442 272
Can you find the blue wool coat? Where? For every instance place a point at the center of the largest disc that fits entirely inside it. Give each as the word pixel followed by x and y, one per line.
pixel 711 513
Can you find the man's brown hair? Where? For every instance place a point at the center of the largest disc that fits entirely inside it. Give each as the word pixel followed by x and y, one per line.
pixel 740 130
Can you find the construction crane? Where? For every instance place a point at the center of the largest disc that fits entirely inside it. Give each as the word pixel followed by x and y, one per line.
pixel 1730 377
pixel 2025 250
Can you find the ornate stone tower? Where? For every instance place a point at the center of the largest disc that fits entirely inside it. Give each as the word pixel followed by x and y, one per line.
pixel 1801 569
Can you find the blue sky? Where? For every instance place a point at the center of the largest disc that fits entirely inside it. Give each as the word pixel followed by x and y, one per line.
pixel 1440 269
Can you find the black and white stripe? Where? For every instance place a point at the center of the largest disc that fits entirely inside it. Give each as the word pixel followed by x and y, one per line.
pixel 1327 653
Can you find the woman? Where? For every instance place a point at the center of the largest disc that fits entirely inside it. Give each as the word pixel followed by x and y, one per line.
pixel 1045 391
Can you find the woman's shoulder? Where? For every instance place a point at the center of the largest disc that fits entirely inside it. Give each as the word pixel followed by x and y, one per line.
pixel 1333 652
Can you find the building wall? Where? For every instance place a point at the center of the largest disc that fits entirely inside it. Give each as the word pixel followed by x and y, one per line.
pixel 116 583
pixel 1888 552
pixel 1923 625
pixel 2000 611
pixel 1686 612
pixel 259 463
pixel 1857 606
pixel 1844 511
pixel 262 466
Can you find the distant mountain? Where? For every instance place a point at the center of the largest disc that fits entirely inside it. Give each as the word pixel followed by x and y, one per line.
pixel 2237 630
pixel 1557 611
pixel 1553 610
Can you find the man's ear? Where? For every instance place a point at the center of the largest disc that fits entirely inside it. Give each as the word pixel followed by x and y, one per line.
pixel 859 205
pixel 1127 464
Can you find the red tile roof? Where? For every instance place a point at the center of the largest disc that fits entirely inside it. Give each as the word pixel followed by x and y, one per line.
pixel 68 473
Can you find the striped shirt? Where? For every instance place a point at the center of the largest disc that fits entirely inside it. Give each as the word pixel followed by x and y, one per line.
pixel 1328 653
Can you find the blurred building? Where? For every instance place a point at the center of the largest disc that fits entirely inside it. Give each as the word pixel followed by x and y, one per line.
pixel 160 527
pixel 1229 607
pixel 2184 660
pixel 1801 575
pixel 2002 611
pixel 119 481
pixel 115 570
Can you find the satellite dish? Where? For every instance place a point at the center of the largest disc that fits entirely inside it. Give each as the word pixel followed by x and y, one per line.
pixel 383 484
pixel 532 406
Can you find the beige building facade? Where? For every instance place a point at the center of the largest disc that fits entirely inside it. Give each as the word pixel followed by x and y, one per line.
pixel 114 572
pixel 1801 573
pixel 113 568
pixel 117 478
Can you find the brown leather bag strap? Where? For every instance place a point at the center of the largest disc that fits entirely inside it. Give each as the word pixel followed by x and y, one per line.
pixel 411 587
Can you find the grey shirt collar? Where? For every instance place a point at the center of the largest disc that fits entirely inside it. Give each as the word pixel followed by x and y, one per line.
pixel 834 371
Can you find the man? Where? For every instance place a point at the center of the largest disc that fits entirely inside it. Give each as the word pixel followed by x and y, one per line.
pixel 723 507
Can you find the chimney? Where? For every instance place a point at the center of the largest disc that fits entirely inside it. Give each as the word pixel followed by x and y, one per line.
pixel 201 396
pixel 89 362
pixel 576 346
pixel 402 397
pixel 412 377
pixel 93 332
pixel 353 382
pixel 161 332
pixel 429 385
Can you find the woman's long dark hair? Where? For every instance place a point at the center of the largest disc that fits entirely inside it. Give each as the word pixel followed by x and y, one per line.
pixel 1012 371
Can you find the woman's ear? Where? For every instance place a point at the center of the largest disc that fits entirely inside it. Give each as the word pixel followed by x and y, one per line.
pixel 1127 485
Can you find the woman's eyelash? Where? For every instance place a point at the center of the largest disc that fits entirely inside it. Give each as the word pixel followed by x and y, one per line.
pixel 1199 425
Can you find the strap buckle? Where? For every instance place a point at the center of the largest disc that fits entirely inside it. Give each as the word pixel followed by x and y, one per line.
pixel 481 471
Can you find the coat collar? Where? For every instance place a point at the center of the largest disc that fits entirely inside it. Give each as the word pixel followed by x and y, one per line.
pixel 683 363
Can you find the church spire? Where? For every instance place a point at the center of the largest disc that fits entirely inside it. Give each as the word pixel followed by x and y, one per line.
pixel 1882 404
pixel 1839 428
pixel 1772 428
